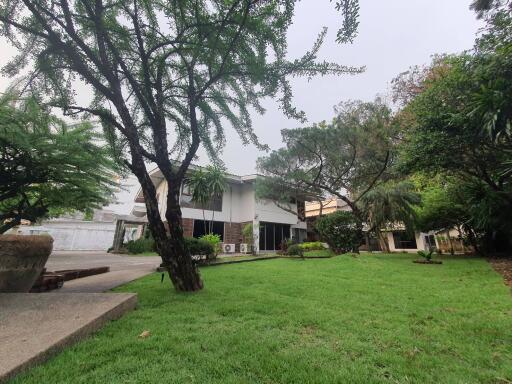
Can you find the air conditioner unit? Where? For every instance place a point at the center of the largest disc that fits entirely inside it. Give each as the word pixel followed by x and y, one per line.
pixel 245 248
pixel 228 248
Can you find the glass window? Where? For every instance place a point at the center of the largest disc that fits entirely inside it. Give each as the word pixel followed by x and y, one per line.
pixel 202 227
pixel 404 240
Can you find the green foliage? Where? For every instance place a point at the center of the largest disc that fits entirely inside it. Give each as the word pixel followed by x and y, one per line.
pixel 248 233
pixel 344 158
pixel 214 240
pixel 341 230
pixel 388 203
pixel 295 250
pixel 141 245
pixel 459 127
pixel 200 247
pixel 426 255
pixel 443 206
pixel 49 167
pixel 312 246
pixel 216 58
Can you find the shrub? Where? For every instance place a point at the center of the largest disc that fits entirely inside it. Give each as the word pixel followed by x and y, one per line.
pixel 341 230
pixel 141 245
pixel 426 255
pixel 295 250
pixel 247 233
pixel 199 247
pixel 214 240
pixel 312 246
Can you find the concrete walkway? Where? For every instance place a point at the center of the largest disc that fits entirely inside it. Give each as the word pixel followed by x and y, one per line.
pixel 34 326
pixel 123 269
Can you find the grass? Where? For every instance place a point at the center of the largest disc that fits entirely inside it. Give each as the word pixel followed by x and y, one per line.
pixel 319 253
pixel 371 319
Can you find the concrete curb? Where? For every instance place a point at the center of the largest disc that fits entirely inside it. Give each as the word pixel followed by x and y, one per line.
pixel 119 304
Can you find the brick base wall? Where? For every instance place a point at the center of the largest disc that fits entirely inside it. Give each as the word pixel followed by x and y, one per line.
pixel 232 233
pixel 188 227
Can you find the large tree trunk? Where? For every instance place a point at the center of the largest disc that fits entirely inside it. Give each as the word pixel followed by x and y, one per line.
pixel 170 245
pixel 383 241
pixel 182 270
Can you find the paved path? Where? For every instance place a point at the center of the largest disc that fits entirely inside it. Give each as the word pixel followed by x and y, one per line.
pixel 123 269
pixel 34 326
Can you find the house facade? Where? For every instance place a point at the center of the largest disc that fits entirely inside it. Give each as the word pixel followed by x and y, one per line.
pixel 227 216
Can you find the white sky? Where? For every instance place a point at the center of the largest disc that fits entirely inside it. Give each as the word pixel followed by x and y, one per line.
pixel 393 35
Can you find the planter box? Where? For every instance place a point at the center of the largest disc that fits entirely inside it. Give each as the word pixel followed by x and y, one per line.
pixel 22 259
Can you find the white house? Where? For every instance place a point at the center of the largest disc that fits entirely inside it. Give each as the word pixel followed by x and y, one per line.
pixel 237 208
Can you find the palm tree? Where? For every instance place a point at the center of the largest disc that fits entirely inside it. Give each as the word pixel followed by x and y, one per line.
pixel 206 186
pixel 216 181
pixel 198 184
pixel 387 204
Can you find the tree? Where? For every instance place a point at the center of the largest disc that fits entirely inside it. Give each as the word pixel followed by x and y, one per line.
pixel 341 230
pixel 345 158
pixel 389 203
pixel 459 126
pixel 49 167
pixel 166 77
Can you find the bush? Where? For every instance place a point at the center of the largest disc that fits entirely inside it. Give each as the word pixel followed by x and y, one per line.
pixel 341 230
pixel 312 246
pixel 295 250
pixel 141 245
pixel 214 240
pixel 200 247
pixel 426 255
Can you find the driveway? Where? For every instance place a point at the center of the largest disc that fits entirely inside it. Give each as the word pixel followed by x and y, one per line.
pixel 123 269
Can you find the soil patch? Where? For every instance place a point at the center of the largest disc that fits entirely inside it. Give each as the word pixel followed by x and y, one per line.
pixel 504 267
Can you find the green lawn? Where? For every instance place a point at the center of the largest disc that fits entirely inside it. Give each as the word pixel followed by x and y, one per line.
pixel 371 319
pixel 319 253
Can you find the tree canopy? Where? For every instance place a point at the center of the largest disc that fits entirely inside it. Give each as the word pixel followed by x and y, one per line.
pixel 458 126
pixel 49 167
pixel 344 158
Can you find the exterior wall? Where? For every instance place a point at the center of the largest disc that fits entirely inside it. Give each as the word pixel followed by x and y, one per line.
pixel 329 206
pixel 75 235
pixel 188 227
pixel 267 210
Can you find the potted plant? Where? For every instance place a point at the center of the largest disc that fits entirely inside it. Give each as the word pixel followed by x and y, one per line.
pixel 22 259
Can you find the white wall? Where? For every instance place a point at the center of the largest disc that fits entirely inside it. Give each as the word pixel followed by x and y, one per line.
pixel 76 236
pixel 239 204
pixel 267 210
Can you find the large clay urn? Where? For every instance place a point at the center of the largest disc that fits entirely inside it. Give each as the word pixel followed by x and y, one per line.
pixel 22 259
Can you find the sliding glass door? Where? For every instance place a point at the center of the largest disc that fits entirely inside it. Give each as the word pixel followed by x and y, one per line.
pixel 272 235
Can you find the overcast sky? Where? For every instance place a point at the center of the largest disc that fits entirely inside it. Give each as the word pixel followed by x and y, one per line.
pixel 393 35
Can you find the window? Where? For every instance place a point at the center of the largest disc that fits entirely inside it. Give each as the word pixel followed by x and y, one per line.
pixel 214 204
pixel 201 228
pixel 185 189
pixel 404 240
pixel 272 235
